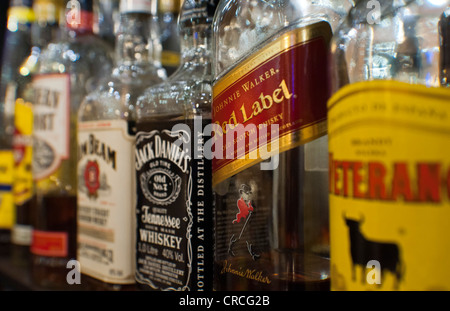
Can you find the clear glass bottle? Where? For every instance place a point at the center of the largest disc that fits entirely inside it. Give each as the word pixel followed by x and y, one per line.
pixel 271 85
pixel 67 70
pixel 168 14
pixel 174 193
pixel 388 143
pixel 16 48
pixel 106 129
pixel 44 29
pixel 108 16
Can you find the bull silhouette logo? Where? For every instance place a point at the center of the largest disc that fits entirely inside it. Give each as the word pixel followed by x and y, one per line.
pixel 246 209
pixel 363 250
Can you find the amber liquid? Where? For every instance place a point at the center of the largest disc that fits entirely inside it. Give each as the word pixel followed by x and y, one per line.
pixel 288 229
pixel 55 213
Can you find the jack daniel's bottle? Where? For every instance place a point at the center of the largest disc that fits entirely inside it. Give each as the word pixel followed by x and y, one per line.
pixel 67 69
pixel 389 138
pixel 106 129
pixel 174 247
pixel 270 93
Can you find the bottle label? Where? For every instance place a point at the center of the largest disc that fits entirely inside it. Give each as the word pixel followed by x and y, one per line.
pixel 51 123
pixel 7 216
pixel 389 185
pixel 174 212
pixel 106 200
pixel 23 152
pixel 51 244
pixel 278 95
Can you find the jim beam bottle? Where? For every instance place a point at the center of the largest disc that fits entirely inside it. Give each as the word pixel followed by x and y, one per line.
pixel 16 48
pixel 106 174
pixel 388 149
pixel 44 29
pixel 67 69
pixel 174 241
pixel 270 93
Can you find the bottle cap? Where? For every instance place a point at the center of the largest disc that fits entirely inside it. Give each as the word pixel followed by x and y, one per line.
pixel 198 12
pixel 129 6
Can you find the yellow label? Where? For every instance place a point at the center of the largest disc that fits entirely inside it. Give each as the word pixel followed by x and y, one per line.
pixel 23 178
pixel 170 58
pixel 389 185
pixel 7 216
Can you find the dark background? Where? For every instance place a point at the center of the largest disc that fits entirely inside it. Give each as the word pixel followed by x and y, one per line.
pixel 4 4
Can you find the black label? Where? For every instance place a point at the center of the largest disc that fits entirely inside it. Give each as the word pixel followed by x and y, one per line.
pixel 174 208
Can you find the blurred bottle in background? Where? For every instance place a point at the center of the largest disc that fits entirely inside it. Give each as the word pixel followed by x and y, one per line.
pixel 17 46
pixel 44 29
pixel 107 19
pixel 67 70
pixel 168 13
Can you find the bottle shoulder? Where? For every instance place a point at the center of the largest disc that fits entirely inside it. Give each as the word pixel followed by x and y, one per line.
pixel 87 49
pixel 241 27
pixel 116 99
pixel 172 96
pixel 401 43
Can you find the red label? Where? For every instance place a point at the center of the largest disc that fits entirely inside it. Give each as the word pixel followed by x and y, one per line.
pixel 52 244
pixel 82 21
pixel 283 84
pixel 92 177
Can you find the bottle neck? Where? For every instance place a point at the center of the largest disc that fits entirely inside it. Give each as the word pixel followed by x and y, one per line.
pixel 137 40
pixel 196 43
pixel 46 25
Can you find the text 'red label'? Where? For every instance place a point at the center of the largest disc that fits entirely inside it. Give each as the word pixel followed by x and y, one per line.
pixel 278 85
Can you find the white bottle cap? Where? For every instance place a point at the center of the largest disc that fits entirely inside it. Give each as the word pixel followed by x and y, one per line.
pixel 128 6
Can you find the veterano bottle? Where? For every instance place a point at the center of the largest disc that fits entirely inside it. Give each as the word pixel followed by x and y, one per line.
pixel 174 242
pixel 389 125
pixel 270 93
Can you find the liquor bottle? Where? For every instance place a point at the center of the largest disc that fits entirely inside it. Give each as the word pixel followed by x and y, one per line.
pixel 107 12
pixel 44 29
pixel 106 129
pixel 389 144
pixel 270 163
pixel 16 48
pixel 174 234
pixel 67 70
pixel 168 14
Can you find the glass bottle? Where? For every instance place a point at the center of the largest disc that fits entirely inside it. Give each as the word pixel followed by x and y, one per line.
pixel 106 129
pixel 173 182
pixel 67 70
pixel 389 144
pixel 168 14
pixel 270 181
pixel 16 48
pixel 107 12
pixel 44 29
